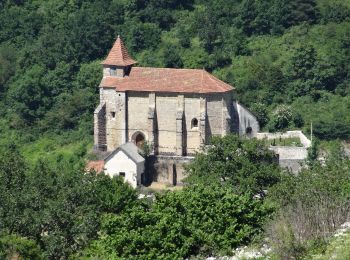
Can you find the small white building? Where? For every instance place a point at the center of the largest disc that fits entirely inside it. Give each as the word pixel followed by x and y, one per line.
pixel 126 161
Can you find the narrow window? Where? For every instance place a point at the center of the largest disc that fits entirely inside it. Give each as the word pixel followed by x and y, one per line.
pixel 194 123
pixel 122 174
pixel 112 71
pixel 113 114
pixel 249 130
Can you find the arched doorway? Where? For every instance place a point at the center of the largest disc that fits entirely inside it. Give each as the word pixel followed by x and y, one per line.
pixel 139 139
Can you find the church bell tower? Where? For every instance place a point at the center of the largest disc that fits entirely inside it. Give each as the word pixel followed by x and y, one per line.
pixel 118 62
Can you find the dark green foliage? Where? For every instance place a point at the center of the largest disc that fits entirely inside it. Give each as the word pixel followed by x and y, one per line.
pixel 277 53
pixel 330 116
pixel 16 247
pixel 44 43
pixel 335 11
pixel 327 130
pixel 58 208
pixel 281 118
pixel 172 57
pixel 260 111
pixel 7 61
pixel 198 220
pixel 246 165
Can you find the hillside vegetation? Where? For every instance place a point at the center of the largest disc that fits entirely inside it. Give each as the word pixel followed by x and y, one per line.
pixel 289 63
pixel 288 60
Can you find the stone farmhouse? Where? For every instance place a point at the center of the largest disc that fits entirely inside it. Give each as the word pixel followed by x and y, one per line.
pixel 174 111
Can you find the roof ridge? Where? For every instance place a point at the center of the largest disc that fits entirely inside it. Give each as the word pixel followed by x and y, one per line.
pixel 136 67
pixel 167 80
pixel 118 55
pixel 216 80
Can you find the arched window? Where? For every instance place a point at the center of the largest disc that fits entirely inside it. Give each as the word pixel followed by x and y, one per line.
pixel 139 139
pixel 194 123
pixel 249 130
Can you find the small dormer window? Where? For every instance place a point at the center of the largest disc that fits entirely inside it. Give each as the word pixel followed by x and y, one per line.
pixel 113 114
pixel 194 123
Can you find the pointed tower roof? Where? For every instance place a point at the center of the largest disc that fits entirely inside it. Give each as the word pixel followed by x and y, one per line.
pixel 118 55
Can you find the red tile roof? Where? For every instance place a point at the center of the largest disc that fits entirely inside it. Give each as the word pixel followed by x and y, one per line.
pixel 118 55
pixel 97 166
pixel 167 80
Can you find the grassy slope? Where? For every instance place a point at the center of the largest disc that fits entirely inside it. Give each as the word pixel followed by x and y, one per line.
pixel 337 249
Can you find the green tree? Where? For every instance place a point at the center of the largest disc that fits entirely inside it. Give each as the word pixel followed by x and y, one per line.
pixel 16 247
pixel 7 65
pixel 54 205
pixel 247 165
pixel 198 220
pixel 12 185
pixel 281 118
pixel 28 97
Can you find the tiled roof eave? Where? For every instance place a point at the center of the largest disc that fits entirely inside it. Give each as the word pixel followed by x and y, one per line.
pixel 105 62
pixel 164 91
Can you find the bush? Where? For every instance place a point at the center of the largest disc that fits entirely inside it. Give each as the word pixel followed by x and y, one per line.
pixel 281 117
pixel 16 247
pixel 247 165
pixel 200 220
pixel 312 206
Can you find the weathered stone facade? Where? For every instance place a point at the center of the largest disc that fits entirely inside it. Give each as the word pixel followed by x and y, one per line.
pixel 176 111
pixel 172 123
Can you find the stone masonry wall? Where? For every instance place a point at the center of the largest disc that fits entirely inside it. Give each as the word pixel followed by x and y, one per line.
pixel 290 157
pixel 168 169
pixel 116 119
pixel 100 127
pixel 173 129
pixel 192 112
pixel 289 134
pixel 137 114
pixel 214 114
pixel 166 108
pixel 246 120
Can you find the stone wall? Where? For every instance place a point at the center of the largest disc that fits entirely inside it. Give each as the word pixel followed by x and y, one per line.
pixel 248 125
pixel 166 108
pixel 289 152
pixel 167 119
pixel 214 114
pixel 137 114
pixel 168 169
pixel 100 141
pixel 191 133
pixel 290 157
pixel 289 134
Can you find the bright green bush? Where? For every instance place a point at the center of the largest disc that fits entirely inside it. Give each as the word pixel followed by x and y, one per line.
pixel 200 219
pixel 247 165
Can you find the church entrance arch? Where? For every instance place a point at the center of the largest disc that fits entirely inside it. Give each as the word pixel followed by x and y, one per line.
pixel 139 139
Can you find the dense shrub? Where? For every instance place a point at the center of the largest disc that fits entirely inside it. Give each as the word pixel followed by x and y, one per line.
pixel 312 206
pixel 203 220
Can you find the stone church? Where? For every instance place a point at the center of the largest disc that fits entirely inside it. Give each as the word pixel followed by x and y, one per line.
pixel 174 111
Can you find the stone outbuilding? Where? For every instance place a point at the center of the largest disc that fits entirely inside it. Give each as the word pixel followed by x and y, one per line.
pixel 126 162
